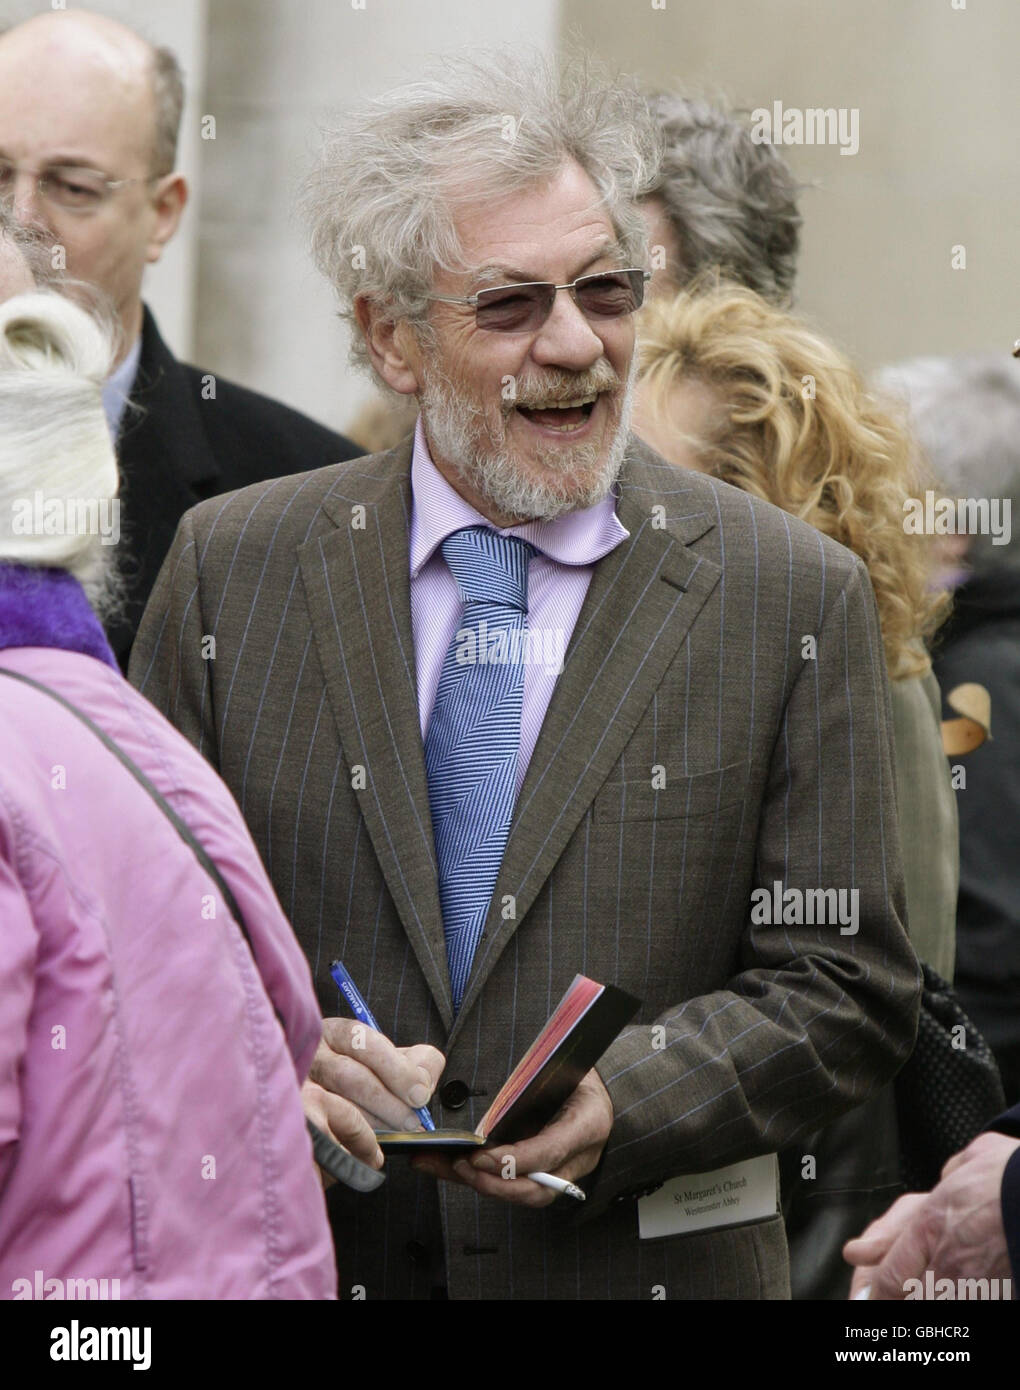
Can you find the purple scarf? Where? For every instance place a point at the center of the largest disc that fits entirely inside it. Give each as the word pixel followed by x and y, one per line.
pixel 48 608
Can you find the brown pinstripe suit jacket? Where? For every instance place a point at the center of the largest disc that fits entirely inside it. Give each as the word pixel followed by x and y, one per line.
pixel 687 657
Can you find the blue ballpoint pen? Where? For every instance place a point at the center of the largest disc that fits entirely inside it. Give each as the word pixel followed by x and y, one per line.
pixel 364 1015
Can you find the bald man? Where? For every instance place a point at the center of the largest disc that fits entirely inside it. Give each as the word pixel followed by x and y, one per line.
pixel 89 118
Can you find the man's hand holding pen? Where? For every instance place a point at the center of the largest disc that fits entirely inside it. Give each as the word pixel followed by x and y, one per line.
pixel 359 1081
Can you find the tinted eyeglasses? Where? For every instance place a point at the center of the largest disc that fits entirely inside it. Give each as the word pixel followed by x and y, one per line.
pixel 524 308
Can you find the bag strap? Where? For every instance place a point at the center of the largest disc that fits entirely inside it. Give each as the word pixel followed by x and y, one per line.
pixel 328 1154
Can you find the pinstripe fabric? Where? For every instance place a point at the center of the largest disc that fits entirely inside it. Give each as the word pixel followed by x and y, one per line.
pixel 690 753
pixel 474 735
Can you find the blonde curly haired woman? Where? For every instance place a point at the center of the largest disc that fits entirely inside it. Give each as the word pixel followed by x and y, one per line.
pixel 735 387
pixel 732 386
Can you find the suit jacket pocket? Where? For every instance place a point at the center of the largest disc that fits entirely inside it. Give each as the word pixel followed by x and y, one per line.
pixel 679 797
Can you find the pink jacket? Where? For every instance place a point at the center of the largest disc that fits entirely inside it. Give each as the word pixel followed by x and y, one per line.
pixel 151 1128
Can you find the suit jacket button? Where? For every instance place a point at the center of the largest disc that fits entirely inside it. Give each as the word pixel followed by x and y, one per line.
pixel 454 1094
pixel 417 1253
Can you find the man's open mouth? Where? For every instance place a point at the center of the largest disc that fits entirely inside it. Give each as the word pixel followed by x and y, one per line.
pixel 563 416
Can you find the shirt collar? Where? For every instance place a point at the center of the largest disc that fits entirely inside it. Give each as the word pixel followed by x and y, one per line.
pixel 576 538
pixel 117 387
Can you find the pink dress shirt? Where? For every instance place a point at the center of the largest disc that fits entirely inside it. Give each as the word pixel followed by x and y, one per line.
pixel 558 578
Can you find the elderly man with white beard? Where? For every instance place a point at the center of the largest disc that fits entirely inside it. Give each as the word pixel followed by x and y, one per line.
pixel 468 836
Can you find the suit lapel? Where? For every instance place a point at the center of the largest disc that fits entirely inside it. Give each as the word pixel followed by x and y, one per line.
pixel 166 466
pixel 357 584
pixel 642 600
pixel 641 603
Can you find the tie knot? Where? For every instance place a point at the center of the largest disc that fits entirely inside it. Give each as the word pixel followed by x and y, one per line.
pixel 489 568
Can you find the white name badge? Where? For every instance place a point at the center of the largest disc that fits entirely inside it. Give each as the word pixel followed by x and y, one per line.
pixel 747 1191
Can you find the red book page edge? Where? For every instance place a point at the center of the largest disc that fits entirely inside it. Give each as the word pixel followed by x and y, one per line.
pixel 580 996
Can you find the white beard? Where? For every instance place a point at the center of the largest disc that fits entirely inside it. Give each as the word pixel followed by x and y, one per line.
pixel 458 434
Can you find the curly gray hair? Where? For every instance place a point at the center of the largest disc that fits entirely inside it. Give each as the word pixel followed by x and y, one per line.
pixel 392 174
pixel 732 203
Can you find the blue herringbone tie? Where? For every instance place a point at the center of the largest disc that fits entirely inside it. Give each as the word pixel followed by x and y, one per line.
pixel 474 735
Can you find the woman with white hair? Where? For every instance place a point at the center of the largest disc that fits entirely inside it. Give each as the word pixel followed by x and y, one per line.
pixel 152 1140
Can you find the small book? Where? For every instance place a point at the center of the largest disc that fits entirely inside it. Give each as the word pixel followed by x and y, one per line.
pixel 586 1020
